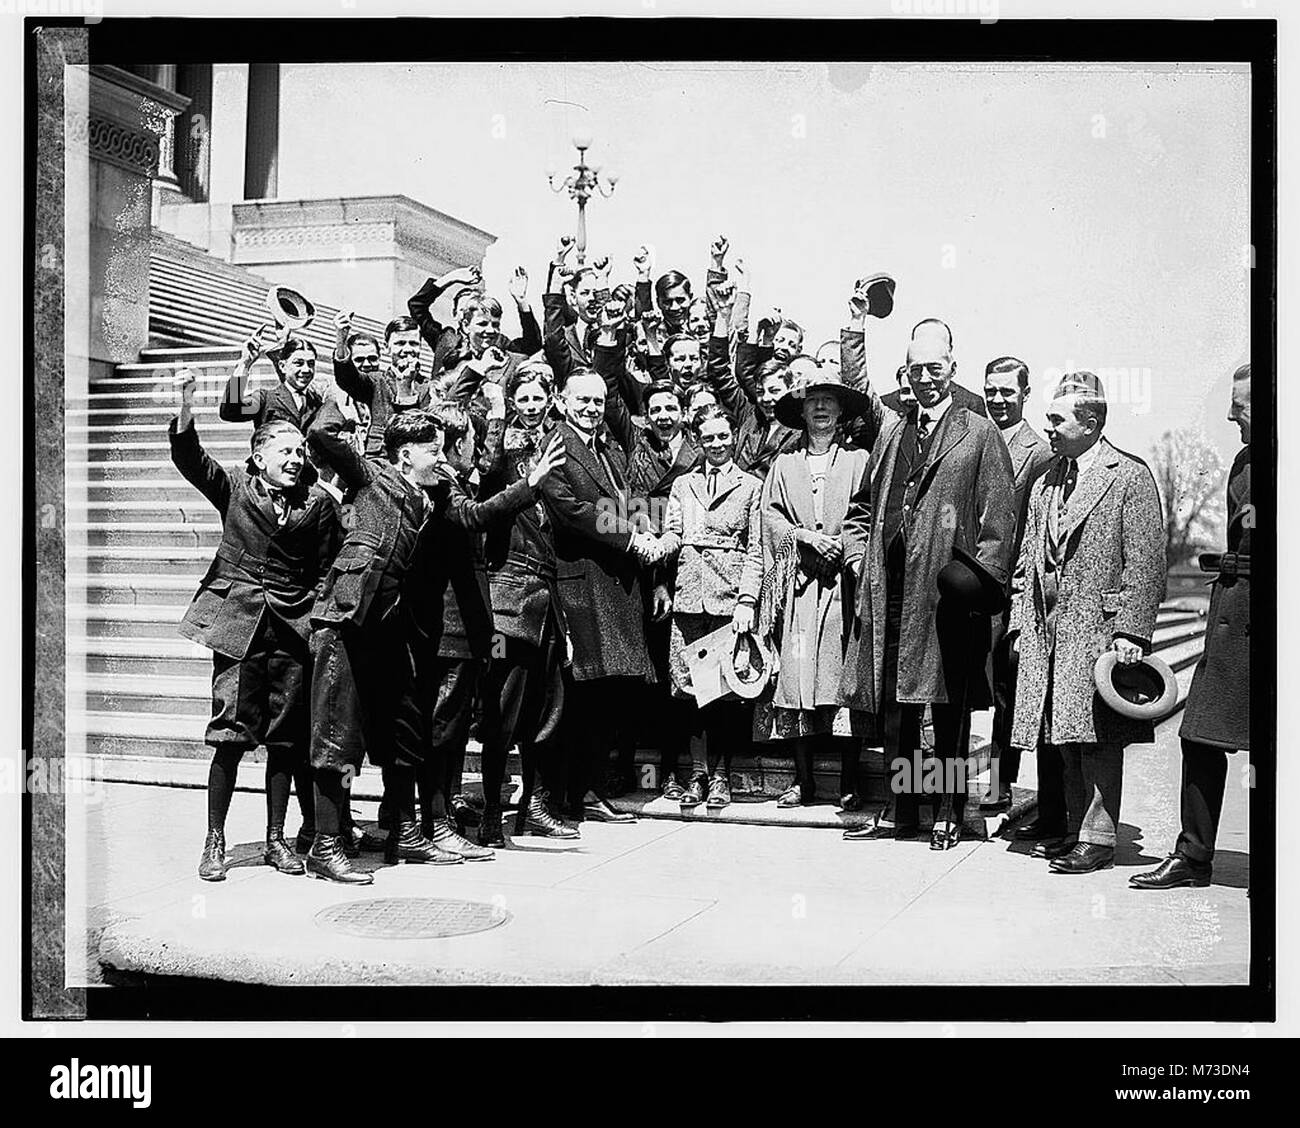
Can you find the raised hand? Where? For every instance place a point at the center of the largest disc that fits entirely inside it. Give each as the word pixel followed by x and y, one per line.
pixel 859 302
pixel 641 260
pixel 185 382
pixel 740 275
pixel 563 248
pixel 718 251
pixel 493 360
pixel 613 314
pixel 252 349
pixel 550 460
pixel 723 296
pixel 653 325
pixel 601 267
pixel 519 286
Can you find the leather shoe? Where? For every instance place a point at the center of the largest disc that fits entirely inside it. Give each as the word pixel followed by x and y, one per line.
pixel 212 865
pixel 278 854
pixel 693 796
pixel 464 811
pixel 537 819
pixel 407 844
pixel 1084 858
pixel 443 834
pixel 490 832
pixel 327 861
pixel 672 789
pixel 595 809
pixel 303 840
pixel 1053 848
pixel 1036 830
pixel 1175 871
pixel 719 792
pixel 877 832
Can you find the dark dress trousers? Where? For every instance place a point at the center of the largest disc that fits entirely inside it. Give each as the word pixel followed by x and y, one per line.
pixel 1216 720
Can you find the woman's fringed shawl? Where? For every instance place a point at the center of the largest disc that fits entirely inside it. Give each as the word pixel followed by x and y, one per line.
pixel 777 584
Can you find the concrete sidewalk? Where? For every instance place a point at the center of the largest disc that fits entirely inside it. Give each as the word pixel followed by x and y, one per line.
pixel 663 901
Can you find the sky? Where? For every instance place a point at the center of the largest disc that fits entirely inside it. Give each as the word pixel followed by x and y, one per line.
pixel 1076 216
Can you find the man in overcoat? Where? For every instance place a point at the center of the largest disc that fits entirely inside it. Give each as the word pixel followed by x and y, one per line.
pixel 599 555
pixel 1216 720
pixel 1006 390
pixel 1090 577
pixel 938 558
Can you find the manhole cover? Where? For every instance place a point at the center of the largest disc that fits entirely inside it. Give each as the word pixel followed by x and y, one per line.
pixel 411 918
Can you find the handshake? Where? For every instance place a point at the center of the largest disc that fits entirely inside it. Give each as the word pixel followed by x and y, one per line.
pixel 647 547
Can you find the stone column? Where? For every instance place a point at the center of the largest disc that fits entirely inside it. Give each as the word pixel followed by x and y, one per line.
pixel 262 139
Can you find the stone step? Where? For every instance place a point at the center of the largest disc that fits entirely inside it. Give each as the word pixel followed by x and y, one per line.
pixel 163 534
pixel 126 620
pixel 195 512
pixel 1165 637
pixel 178 559
pixel 143 469
pixel 227 446
pixel 120 693
pixel 114 588
pixel 164 490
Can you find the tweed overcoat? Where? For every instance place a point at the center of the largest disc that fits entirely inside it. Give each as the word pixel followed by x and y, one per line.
pixel 1111 584
pixel 1218 703
pixel 717 541
pixel 962 502
pixel 812 630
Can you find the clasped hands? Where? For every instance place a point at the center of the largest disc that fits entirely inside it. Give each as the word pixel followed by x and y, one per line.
pixel 647 547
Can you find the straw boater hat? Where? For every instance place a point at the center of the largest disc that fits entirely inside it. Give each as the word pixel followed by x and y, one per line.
pixel 789 408
pixel 1144 691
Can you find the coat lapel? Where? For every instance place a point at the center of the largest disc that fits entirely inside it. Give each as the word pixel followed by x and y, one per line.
pixel 583 456
pixel 1092 489
pixel 952 429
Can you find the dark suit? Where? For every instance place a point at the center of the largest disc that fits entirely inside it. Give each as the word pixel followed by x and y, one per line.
pixel 252 605
pixel 445 340
pixel 1217 718
pixel 381 395
pixel 758 439
pixel 362 685
pixel 449 606
pixel 1030 456
pixel 599 586
pixel 265 405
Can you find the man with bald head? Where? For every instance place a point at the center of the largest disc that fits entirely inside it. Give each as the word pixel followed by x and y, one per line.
pixel 599 555
pixel 901 401
pixel 936 566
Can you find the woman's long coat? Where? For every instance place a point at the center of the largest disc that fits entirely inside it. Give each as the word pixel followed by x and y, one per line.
pixel 1111 583
pixel 812 631
pixel 1218 703
pixel 963 501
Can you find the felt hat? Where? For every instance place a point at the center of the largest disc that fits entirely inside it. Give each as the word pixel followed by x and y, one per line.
pixel 789 408
pixel 880 294
pixel 1143 691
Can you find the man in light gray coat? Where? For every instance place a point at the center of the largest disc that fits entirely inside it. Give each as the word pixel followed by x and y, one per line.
pixel 1090 577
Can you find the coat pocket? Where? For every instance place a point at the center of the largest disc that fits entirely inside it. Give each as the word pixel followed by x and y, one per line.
pixel 208 602
pixel 1112 602
pixel 349 581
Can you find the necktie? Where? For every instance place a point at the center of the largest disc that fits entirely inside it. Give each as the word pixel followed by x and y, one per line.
pixel 714 475
pixel 922 431
pixel 589 339
pixel 280 504
pixel 1070 481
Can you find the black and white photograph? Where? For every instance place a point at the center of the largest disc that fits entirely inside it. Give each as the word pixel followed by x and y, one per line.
pixel 652 520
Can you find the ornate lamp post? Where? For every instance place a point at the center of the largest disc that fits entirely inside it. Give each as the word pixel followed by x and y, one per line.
pixel 581 184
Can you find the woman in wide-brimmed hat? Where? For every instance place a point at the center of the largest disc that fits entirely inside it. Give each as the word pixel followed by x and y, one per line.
pixel 813 538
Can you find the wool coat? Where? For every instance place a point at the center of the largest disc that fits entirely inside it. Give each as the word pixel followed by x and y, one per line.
pixel 814 625
pixel 1218 703
pixel 962 502
pixel 1111 582
pixel 597 578
pixel 717 541
pixel 758 439
pixel 265 405
pixel 261 567
pixel 381 394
